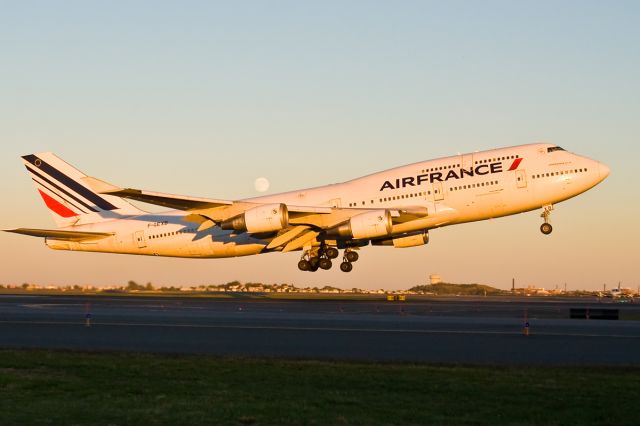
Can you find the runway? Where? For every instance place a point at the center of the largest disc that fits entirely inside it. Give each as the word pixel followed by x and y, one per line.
pixel 447 330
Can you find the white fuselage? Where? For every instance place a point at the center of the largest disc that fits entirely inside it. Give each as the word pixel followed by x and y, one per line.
pixel 456 189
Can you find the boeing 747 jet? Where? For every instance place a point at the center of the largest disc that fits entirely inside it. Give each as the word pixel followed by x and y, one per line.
pixel 395 207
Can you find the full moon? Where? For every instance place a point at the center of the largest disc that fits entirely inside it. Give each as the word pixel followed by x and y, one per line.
pixel 261 184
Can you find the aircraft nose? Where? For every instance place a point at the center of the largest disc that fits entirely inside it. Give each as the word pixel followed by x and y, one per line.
pixel 603 170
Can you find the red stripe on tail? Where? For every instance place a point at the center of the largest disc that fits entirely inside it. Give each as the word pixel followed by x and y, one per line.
pixel 515 164
pixel 56 206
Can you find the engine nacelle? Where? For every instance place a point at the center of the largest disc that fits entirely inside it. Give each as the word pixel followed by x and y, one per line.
pixel 366 225
pixel 266 218
pixel 413 240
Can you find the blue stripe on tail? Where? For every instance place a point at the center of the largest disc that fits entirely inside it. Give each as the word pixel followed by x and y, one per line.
pixel 69 183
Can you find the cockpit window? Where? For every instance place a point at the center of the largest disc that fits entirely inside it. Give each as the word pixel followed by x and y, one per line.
pixel 555 148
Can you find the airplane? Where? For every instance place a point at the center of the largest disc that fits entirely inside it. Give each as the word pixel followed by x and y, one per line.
pixel 396 207
pixel 619 292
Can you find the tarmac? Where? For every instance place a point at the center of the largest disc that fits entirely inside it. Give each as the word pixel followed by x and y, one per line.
pixel 467 330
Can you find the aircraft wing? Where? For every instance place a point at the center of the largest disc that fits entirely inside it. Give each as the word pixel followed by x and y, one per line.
pixel 304 228
pixel 178 202
pixel 77 236
pixel 305 222
pixel 172 201
pixel 187 203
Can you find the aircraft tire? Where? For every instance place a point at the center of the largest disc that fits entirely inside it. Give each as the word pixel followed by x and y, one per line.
pixel 325 264
pixel 304 265
pixel 351 256
pixel 332 252
pixel 346 266
pixel 546 228
pixel 314 261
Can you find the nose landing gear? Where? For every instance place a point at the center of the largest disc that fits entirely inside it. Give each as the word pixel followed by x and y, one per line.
pixel 546 227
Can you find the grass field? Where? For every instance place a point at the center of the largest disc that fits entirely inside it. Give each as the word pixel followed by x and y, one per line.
pixel 50 387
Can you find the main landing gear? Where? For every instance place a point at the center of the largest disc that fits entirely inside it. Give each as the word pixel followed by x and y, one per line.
pixel 546 227
pixel 312 260
pixel 350 256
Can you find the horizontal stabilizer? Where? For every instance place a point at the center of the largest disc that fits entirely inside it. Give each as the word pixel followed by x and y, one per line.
pixel 77 236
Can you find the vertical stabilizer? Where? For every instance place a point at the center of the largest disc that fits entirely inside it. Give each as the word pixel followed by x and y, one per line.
pixel 65 192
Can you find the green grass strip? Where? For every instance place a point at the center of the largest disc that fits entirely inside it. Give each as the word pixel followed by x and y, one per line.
pixel 73 388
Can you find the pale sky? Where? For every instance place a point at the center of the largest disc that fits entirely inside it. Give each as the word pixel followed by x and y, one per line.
pixel 201 98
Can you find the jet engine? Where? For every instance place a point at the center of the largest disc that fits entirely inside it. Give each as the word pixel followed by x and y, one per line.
pixel 411 240
pixel 372 224
pixel 266 218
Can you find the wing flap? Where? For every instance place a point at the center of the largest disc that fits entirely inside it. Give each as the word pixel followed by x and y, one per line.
pixel 286 237
pixel 76 236
pixel 299 242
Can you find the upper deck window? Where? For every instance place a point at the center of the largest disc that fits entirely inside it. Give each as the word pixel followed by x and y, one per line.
pixel 555 148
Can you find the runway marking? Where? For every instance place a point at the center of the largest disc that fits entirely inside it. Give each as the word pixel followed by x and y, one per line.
pixel 48 305
pixel 334 329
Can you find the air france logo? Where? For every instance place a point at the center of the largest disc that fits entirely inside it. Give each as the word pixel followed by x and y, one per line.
pixel 461 173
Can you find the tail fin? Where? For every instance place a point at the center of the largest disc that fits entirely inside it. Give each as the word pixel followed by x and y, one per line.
pixel 67 193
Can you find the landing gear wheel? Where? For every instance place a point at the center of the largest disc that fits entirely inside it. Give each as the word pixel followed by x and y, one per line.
pixel 351 256
pixel 304 265
pixel 313 268
pixel 332 252
pixel 325 264
pixel 346 266
pixel 546 227
pixel 314 261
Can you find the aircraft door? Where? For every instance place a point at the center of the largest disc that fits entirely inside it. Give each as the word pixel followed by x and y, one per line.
pixel 521 179
pixel 466 161
pixel 438 194
pixel 140 239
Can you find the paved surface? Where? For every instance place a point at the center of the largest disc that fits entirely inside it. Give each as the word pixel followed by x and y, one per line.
pixel 464 330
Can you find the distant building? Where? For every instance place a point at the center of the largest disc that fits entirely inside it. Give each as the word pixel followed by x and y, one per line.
pixel 435 279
